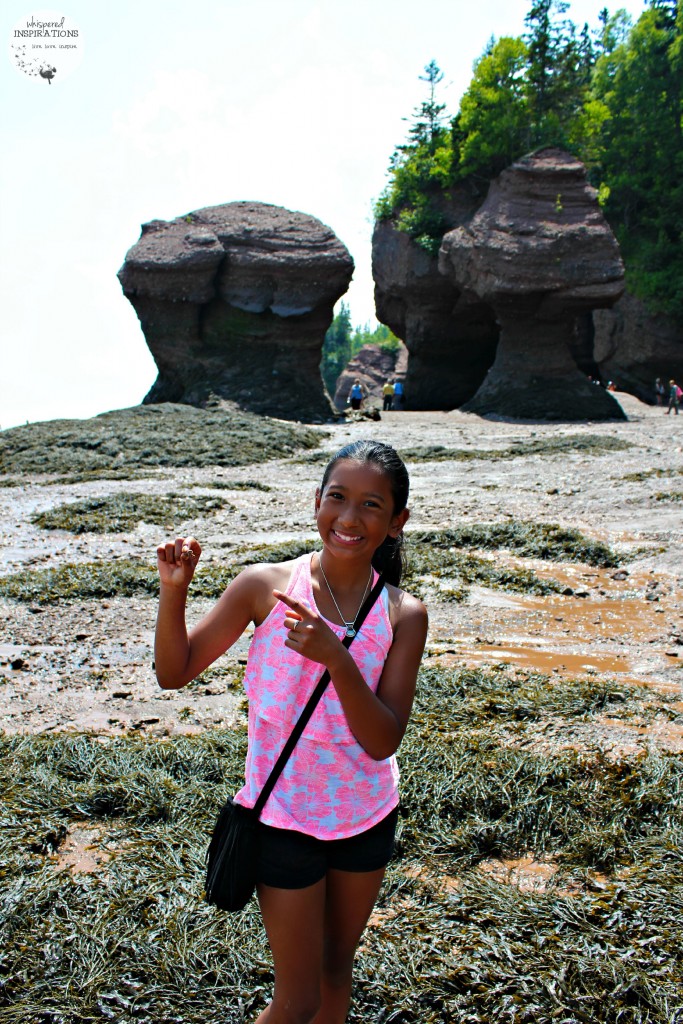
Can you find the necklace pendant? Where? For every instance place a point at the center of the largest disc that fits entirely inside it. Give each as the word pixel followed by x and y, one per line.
pixel 350 631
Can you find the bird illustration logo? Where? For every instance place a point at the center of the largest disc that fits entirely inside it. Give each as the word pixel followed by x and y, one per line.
pixel 33 67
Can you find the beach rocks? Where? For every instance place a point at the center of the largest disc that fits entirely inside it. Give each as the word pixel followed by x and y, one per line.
pixel 540 254
pixel 234 302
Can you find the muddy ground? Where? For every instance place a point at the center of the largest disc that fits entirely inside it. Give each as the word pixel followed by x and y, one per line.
pixel 87 665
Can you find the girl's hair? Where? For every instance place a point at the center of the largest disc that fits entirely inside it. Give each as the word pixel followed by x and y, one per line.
pixel 388 559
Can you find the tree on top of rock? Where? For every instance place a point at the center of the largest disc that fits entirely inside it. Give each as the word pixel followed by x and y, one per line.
pixel 427 125
pixel 558 71
pixel 419 168
pixel 491 127
pixel 613 97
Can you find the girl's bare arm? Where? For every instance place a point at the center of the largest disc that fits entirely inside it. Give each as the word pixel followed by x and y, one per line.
pixel 180 656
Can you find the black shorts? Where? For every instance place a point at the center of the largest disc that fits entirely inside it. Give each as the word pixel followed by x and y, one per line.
pixel 293 860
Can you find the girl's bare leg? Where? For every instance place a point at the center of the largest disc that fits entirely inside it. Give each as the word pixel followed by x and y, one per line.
pixel 349 900
pixel 294 922
pixel 313 935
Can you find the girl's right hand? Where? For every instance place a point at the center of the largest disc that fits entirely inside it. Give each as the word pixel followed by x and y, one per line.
pixel 177 561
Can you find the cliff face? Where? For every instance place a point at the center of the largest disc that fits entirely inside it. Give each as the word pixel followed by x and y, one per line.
pixel 451 338
pixel 234 301
pixel 633 347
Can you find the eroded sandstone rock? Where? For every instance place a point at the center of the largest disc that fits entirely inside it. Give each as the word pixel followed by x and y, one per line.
pixel 451 337
pixel 234 301
pixel 540 253
pixel 632 347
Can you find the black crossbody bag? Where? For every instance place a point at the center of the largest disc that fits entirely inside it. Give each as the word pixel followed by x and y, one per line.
pixel 233 850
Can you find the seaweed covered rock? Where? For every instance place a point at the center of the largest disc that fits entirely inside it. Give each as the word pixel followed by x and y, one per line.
pixel 234 301
pixel 541 254
pixel 451 337
pixel 120 442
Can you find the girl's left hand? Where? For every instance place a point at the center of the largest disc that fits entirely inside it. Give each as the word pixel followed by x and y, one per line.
pixel 308 635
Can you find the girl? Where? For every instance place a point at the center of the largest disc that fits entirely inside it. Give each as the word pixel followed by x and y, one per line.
pixel 327 829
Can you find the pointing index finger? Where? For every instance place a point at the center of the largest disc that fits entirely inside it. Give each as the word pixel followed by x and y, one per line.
pixel 295 605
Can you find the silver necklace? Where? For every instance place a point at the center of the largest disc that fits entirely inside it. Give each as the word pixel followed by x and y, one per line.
pixel 350 631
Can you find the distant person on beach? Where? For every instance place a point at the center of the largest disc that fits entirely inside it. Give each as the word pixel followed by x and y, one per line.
pixel 674 397
pixel 388 393
pixel 398 394
pixel 660 391
pixel 326 832
pixel 356 394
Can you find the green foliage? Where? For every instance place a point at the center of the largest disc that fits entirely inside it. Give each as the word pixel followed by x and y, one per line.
pixel 557 73
pixel 336 347
pixel 640 153
pixel 614 97
pixel 419 170
pixel 380 335
pixel 494 110
pixel 428 117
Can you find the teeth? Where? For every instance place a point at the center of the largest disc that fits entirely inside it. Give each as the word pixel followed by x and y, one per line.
pixel 346 536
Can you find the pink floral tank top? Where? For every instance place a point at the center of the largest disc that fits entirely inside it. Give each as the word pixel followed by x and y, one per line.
pixel 330 788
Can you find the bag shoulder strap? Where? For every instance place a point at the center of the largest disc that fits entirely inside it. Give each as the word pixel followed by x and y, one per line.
pixel 311 704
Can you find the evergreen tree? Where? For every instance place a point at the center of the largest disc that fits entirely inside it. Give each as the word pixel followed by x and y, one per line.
pixel 420 168
pixel 427 125
pixel 336 347
pixel 557 74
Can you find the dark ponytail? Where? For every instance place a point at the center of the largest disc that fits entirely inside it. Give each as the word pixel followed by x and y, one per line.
pixel 389 557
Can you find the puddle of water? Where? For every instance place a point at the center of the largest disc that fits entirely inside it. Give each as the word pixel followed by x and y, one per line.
pixel 526 873
pixel 80 852
pixel 611 619
pixel 545 662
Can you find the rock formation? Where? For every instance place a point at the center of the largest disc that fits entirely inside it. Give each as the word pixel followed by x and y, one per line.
pixel 234 301
pixel 372 366
pixel 633 347
pixel 451 337
pixel 540 254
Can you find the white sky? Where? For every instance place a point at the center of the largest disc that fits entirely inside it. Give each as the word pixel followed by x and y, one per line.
pixel 180 105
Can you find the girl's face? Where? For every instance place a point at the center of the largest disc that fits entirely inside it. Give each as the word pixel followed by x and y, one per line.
pixel 355 511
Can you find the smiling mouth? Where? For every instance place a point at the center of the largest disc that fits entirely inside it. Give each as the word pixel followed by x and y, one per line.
pixel 346 537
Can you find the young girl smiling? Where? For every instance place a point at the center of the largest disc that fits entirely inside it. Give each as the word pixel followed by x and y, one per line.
pixel 327 829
